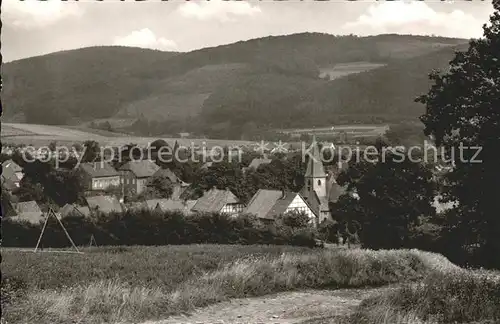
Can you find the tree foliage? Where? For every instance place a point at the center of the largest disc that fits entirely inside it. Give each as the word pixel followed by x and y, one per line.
pixel 462 110
pixel 387 198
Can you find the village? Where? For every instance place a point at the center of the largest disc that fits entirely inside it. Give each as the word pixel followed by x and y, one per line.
pixel 108 189
pixel 248 162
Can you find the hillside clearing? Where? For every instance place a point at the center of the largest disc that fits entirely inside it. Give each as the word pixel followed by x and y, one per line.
pixel 345 69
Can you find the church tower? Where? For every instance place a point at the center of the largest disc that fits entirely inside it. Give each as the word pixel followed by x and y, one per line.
pixel 315 177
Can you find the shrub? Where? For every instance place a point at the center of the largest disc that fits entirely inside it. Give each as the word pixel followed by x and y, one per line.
pixel 145 227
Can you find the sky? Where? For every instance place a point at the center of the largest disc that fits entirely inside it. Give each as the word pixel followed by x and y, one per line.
pixel 33 28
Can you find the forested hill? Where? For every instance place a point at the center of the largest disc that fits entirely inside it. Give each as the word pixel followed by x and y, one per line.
pixel 271 81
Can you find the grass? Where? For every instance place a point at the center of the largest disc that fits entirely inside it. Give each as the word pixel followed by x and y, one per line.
pixel 139 283
pixel 163 266
pixel 457 296
pixel 41 135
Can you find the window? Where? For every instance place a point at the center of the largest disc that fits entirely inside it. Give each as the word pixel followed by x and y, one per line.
pixel 319 182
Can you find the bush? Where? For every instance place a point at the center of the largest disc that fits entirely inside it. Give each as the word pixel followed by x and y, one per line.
pixel 145 227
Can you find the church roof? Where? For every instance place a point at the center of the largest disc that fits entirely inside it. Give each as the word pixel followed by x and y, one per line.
pixel 315 167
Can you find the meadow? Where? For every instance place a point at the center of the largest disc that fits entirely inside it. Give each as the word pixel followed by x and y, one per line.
pixel 133 284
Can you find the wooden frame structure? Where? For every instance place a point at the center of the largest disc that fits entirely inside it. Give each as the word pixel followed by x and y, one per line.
pixel 51 213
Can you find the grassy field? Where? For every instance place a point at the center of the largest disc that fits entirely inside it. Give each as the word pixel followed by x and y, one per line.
pixel 41 135
pixel 456 296
pixel 116 284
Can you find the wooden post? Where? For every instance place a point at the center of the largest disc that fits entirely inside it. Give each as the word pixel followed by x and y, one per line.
pixel 41 234
pixel 65 231
pixel 92 239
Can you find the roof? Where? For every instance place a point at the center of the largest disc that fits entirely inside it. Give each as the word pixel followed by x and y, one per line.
pixel 7 207
pixel 207 165
pixel 8 183
pixel 71 209
pixel 166 204
pixel 177 191
pixel 214 200
pixel 257 162
pixel 139 205
pixel 9 164
pixel 28 211
pixel 190 204
pixel 10 171
pixel 166 173
pixel 312 198
pixel 269 203
pixel 99 169
pixel 315 168
pixel 141 169
pixel 105 204
pixel 324 204
pixel 333 189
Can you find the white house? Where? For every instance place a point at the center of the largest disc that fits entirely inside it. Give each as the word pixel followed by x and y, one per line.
pixel 268 204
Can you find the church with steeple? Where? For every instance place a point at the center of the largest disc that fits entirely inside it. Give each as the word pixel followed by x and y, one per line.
pixel 320 189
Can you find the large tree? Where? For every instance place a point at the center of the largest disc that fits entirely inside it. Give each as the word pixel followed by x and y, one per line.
pixel 463 110
pixel 388 195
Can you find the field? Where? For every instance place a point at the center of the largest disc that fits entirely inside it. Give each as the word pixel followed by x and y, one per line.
pixel 345 69
pixel 40 135
pixel 134 284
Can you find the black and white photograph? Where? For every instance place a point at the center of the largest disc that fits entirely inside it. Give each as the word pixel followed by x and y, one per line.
pixel 250 162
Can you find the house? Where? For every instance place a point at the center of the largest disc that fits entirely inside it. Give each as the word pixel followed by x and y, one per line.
pixel 136 174
pixel 8 208
pixel 8 184
pixel 178 185
pixel 12 173
pixel 74 210
pixel 28 211
pixel 207 165
pixel 257 163
pixel 268 204
pixel 99 176
pixel 104 204
pixel 218 201
pixel 164 205
pixel 7 150
pixel 137 206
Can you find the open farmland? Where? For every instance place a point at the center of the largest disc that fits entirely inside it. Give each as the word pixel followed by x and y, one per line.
pixel 8 131
pixel 41 135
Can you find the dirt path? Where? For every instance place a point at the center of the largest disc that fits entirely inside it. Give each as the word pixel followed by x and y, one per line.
pixel 314 306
